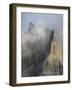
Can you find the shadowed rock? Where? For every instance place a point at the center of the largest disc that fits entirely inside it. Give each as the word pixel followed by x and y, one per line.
pixel 53 64
pixel 35 49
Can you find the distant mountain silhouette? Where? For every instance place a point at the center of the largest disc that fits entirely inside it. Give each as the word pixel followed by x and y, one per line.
pixel 31 26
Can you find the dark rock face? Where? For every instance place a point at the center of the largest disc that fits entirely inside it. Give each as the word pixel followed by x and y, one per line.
pixel 34 53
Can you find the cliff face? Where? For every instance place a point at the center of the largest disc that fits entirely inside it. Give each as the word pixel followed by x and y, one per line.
pixel 53 64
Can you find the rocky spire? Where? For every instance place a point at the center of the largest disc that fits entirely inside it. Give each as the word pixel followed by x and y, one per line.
pixel 31 26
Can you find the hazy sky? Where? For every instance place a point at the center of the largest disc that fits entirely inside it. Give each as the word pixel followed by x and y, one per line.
pixel 51 21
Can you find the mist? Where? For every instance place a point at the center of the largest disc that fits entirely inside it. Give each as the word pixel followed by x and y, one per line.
pixel 37 34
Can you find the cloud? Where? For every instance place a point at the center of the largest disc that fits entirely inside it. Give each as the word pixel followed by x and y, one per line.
pixel 41 23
